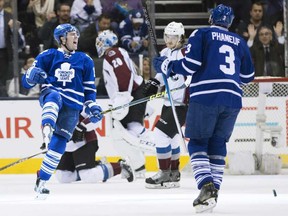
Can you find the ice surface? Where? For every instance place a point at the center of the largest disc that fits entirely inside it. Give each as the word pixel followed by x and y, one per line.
pixel 239 195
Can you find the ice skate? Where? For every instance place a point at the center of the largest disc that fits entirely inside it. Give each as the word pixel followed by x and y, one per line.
pixel 175 179
pixel 40 189
pixel 207 198
pixel 47 132
pixel 160 180
pixel 127 171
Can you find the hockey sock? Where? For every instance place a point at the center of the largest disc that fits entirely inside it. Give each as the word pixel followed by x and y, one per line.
pixel 116 168
pixel 50 112
pixel 175 159
pixel 163 149
pixel 201 168
pixel 108 171
pixel 217 165
pixel 52 158
pixel 217 152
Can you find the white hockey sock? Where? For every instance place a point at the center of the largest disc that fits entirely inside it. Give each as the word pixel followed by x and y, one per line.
pixel 50 112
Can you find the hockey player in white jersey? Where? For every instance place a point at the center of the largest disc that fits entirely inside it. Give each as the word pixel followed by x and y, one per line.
pixel 166 136
pixel 67 81
pixel 78 162
pixel 219 62
pixel 123 85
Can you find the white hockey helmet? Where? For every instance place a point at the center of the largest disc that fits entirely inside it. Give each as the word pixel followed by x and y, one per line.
pixel 174 29
pixel 104 41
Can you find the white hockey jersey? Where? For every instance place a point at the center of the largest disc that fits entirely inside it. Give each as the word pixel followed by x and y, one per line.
pixel 177 80
pixel 119 72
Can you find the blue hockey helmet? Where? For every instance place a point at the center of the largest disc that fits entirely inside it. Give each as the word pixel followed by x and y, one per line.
pixel 62 30
pixel 221 15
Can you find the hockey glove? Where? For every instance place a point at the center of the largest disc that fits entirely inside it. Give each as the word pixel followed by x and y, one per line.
pixel 94 111
pixel 79 133
pixel 35 75
pixel 162 65
pixel 151 87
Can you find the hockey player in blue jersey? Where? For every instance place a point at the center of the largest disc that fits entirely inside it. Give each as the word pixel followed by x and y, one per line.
pixel 219 62
pixel 67 81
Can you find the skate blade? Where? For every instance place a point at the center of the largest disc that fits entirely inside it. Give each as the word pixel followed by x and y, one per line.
pixel 174 185
pixel 41 196
pixel 208 208
pixel 166 185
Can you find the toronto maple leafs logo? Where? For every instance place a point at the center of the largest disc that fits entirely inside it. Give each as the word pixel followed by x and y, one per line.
pixel 65 74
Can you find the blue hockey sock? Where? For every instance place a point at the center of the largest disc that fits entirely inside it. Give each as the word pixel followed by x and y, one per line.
pixel 52 158
pixel 217 165
pixel 50 112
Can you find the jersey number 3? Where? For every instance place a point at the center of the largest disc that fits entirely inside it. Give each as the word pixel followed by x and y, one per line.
pixel 229 59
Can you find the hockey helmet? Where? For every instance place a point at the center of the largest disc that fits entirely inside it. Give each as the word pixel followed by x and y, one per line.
pixel 104 41
pixel 174 31
pixel 221 15
pixel 62 30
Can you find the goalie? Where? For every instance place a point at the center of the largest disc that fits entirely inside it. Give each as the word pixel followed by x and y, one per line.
pixel 123 85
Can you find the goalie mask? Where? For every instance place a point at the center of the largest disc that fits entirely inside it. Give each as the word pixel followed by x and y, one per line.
pixel 104 41
pixel 174 34
pixel 222 16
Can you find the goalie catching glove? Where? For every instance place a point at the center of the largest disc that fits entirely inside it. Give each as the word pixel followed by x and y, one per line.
pixel 94 111
pixel 120 99
pixel 151 87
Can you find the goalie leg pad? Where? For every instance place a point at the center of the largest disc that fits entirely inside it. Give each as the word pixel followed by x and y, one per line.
pixel 141 142
pixel 120 99
pixel 65 176
pixel 99 173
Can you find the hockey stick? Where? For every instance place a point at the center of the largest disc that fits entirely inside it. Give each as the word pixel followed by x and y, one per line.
pixel 154 43
pixel 20 161
pixel 145 99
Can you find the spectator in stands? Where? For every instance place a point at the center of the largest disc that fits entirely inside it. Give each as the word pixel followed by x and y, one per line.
pixel 43 10
pixel 274 11
pixel 69 2
pixel 146 68
pixel 45 33
pixel 34 92
pixel 277 33
pixel 119 12
pixel 89 35
pixel 109 5
pixel 6 48
pixel 240 8
pixel 133 33
pixel 267 54
pixel 27 19
pixel 85 12
pixel 255 21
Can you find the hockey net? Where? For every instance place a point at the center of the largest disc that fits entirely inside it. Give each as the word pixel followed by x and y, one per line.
pixel 262 124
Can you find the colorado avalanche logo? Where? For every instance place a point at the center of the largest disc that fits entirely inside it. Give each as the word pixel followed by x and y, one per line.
pixel 65 74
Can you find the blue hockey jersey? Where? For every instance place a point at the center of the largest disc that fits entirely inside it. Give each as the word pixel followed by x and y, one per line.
pixel 73 76
pixel 220 61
